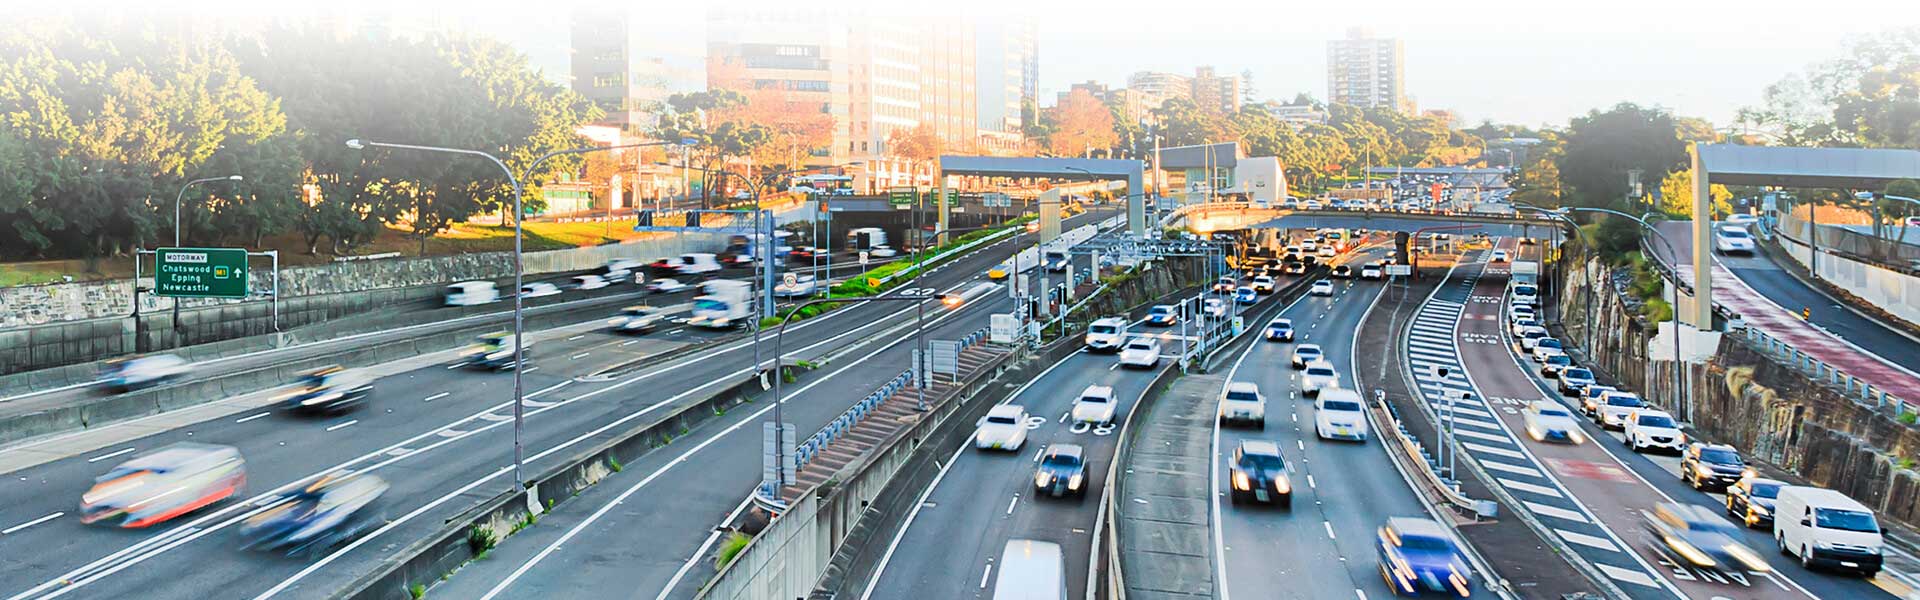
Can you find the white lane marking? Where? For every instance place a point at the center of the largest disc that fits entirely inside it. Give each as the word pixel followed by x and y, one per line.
pixel 437 396
pixel 454 366
pixel 450 433
pixel 538 393
pixel 911 515
pixel 1494 451
pixel 258 416
pixel 1586 540
pixel 109 455
pixel 343 425
pixel 1510 468
pixel 532 369
pixel 1301 444
pixel 1310 483
pixel 629 343
pixel 984 575
pixel 399 452
pixel 1329 526
pixel 1011 502
pixel 1627 575
pixel 1528 487
pixel 496 418
pixel 1498 439
pixel 575 337
pixel 580 356
pixel 10 530
pixel 1476 423
pixel 1361 592
pixel 1556 512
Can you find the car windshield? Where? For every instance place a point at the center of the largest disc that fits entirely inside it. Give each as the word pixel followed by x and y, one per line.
pixel 1524 290
pixel 1161 310
pixel 1555 412
pixel 709 305
pixel 1280 325
pixel 1767 490
pixel 1306 351
pixel 1320 372
pixel 1425 544
pixel 1844 520
pixel 1624 401
pixel 1551 343
pixel 1140 346
pixel 1734 233
pixel 1655 421
pixel 1533 333
pixel 1002 420
pixel 1103 329
pixel 1577 374
pixel 1062 461
pixel 1261 462
pixel 1093 399
pixel 1242 396
pixel 1720 456
pixel 1559 359
pixel 1341 405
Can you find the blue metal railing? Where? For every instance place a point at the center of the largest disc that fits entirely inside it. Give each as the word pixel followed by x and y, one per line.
pixel 805 452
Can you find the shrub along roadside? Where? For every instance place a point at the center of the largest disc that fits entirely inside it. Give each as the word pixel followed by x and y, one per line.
pixel 901 271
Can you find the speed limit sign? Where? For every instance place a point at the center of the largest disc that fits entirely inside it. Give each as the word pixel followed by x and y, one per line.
pixel 790 279
pixel 863 257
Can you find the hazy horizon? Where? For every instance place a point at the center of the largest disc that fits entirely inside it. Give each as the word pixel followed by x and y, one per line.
pixel 1508 61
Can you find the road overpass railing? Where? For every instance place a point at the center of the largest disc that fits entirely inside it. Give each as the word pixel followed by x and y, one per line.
pixel 804 453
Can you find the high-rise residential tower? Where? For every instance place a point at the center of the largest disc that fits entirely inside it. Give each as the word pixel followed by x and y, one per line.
pixel 1367 72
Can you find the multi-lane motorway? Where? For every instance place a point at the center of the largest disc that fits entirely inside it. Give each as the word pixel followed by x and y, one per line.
pixel 441 436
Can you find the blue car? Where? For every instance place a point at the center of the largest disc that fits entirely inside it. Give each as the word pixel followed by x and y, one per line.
pixel 1245 295
pixel 1419 556
pixel 1162 315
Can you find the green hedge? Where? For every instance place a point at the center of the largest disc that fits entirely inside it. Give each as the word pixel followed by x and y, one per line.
pixel 856 287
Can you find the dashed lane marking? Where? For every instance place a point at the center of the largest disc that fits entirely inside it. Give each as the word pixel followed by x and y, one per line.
pixel 1626 575
pixel 343 425
pixel 437 396
pixel 258 416
pixel 10 530
pixel 109 455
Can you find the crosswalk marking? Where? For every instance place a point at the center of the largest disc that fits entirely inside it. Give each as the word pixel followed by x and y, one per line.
pixel 1483 448
pixel 1457 420
pixel 1586 540
pixel 1510 468
pixel 1556 512
pixel 1529 488
pixel 1479 435
pixel 1627 575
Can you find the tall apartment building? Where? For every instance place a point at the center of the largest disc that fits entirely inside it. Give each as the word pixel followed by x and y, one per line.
pixel 1007 74
pixel 629 72
pixel 1367 72
pixel 800 55
pixel 1216 93
pixel 1155 88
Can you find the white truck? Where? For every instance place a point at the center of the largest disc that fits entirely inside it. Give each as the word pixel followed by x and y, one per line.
pixel 725 303
pixel 698 263
pixel 1523 285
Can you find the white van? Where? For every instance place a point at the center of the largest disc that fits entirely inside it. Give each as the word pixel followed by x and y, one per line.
pixel 472 293
pixel 1106 335
pixel 1031 570
pixel 1825 528
pixel 698 263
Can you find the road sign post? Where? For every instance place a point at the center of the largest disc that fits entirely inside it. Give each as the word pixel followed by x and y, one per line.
pixel 200 273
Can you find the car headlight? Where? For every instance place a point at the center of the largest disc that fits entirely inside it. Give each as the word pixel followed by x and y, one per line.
pixel 1073 483
pixel 320 399
pixel 1041 479
pixel 1687 551
pixel 1759 509
pixel 1240 482
pixel 502 355
pixel 1746 556
pixel 1283 485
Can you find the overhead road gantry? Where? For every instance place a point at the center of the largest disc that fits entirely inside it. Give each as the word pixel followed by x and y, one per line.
pixel 1075 169
pixel 1222 216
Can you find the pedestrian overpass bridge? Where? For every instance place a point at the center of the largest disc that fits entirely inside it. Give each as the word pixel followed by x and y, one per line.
pixel 1223 216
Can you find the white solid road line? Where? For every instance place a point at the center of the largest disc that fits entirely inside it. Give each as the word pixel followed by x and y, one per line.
pixel 1587 540
pixel 580 356
pixel 10 530
pixel 437 396
pixel 258 416
pixel 702 552
pixel 1012 502
pixel 109 455
pixel 986 574
pixel 343 425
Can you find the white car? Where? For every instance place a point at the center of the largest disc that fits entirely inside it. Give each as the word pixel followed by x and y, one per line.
pixel 1242 402
pixel 1312 205
pixel 1106 334
pixel 1648 429
pixel 1730 239
pixel 1742 220
pixel 1095 406
pixel 1321 288
pixel 1306 354
pixel 1327 251
pixel 636 319
pixel 141 371
pixel 666 286
pixel 1498 256
pixel 1371 271
pixel 1548 421
pixel 1263 284
pixel 1318 376
pixel 1309 246
pixel 539 290
pixel 1004 428
pixel 1529 336
pixel 589 282
pixel 1142 352
pixel 1522 324
pixel 1615 406
pixel 1214 307
pixel 1544 347
pixel 1340 414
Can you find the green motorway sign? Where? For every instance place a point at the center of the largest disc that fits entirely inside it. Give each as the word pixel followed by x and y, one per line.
pixel 902 196
pixel 201 272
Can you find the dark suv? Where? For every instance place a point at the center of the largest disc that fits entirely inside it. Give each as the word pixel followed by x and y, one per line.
pixel 1714 466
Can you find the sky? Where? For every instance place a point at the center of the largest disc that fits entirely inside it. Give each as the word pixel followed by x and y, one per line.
pixel 1510 61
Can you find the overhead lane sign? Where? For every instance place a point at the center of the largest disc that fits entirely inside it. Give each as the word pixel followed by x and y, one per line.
pixel 201 273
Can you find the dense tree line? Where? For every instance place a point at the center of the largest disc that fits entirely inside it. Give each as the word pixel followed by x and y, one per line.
pixel 102 122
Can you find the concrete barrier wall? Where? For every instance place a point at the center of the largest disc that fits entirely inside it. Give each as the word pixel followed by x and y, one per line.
pixel 1892 291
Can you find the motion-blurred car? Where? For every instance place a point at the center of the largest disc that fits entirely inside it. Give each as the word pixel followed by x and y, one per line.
pixel 1342 272
pixel 1546 343
pixel 1140 352
pixel 1610 409
pixel 802 286
pixel 333 509
pixel 636 319
pixel 1062 471
pixel 539 289
pixel 328 389
pixel 1318 376
pixel 1214 308
pixel 1245 295
pixel 1000 271
pixel 1279 330
pixel 1711 466
pixel 1419 555
pixel 1225 285
pixel 163 484
pixel 1327 251
pixel 1528 336
pixel 492 351
pixel 1162 315
pixel 1242 402
pixel 1751 500
pixel 666 285
pixel 1547 421
pixel 1553 361
pixel 1648 429
pixel 1004 428
pixel 1701 539
pixel 1095 406
pixel 1574 379
pixel 1742 220
pixel 1263 284
pixel 1295 267
pixel 1306 354
pixel 1259 473
pixel 1730 239
pixel 135 372
pixel 1498 256
pixel 589 282
pixel 1590 399
pixel 1372 271
pixel 1321 288
pixel 1339 414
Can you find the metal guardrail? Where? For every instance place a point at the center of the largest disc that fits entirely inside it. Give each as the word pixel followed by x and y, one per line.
pixel 805 452
pixel 1417 453
pixel 1849 386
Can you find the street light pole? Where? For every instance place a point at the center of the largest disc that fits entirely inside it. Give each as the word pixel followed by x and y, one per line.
pixel 519 268
pixel 1688 404
pixel 176 243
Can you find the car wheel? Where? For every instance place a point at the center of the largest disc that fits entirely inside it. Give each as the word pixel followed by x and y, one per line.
pixel 1260 424
pixel 1730 511
pixel 1806 559
pixel 1286 502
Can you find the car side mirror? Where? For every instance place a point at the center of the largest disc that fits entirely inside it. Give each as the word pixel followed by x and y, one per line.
pixel 1806 522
